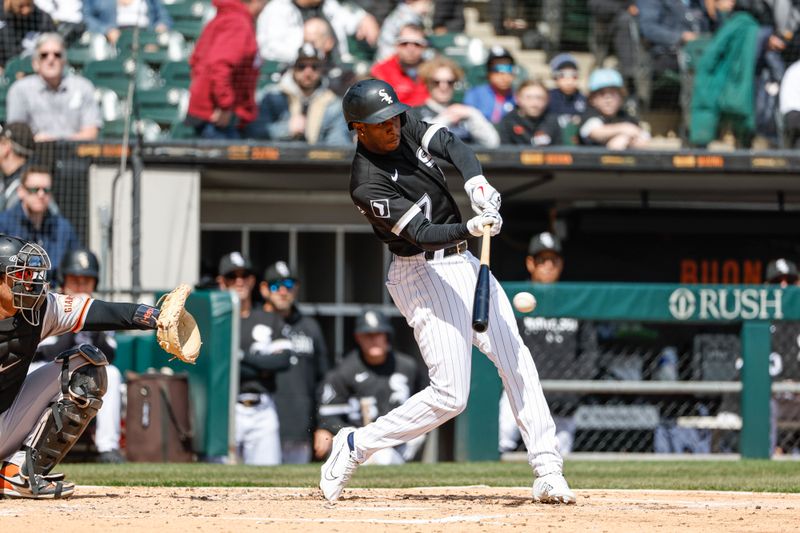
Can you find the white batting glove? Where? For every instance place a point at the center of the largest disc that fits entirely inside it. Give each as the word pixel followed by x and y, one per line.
pixel 482 195
pixel 475 224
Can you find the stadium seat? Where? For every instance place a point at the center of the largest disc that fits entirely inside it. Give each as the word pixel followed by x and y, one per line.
pixel 114 129
pixel 163 106
pixel 154 48
pixel 90 47
pixel 18 67
pixel 176 74
pixel 271 72
pixel 360 50
pixel 3 92
pixel 113 74
pixel 189 17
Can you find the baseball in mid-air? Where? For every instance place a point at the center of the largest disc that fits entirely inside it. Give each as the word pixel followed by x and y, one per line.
pixel 524 302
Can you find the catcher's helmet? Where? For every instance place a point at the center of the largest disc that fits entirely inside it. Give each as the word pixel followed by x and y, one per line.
pixel 80 262
pixel 371 102
pixel 27 265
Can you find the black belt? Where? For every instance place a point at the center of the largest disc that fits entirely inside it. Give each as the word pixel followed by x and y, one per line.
pixel 459 248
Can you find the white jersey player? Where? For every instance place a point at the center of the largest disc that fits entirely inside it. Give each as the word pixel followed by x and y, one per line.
pixel 397 185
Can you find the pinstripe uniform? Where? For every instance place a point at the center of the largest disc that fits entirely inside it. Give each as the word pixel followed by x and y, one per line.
pixel 432 279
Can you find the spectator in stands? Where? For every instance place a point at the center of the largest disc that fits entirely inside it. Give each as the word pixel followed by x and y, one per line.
pixel 448 16
pixel 379 9
pixel 108 17
pixel 265 352
pixel 16 148
pixel 407 12
pixel 562 348
pixel 615 27
pixel 606 123
pixel 401 70
pixel 790 105
pixel 668 25
pixel 369 382
pixel 31 219
pixel 340 75
pixel 280 26
pixel 67 16
pixel 78 274
pixel 441 75
pixel 495 98
pixel 20 23
pixel 530 123
pixel 302 107
pixel 225 72
pixel 55 106
pixel 566 102
pixel 295 394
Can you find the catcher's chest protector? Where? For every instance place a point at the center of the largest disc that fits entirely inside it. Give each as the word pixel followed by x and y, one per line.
pixel 158 420
pixel 18 341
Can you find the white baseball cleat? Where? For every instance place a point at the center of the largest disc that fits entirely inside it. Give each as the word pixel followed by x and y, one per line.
pixel 552 488
pixel 337 470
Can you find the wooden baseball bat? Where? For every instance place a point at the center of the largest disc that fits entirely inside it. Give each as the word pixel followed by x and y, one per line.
pixel 480 305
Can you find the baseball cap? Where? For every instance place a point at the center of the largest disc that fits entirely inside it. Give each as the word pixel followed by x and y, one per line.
pixel 21 138
pixel 497 53
pixel 372 321
pixel 603 78
pixel 278 271
pixel 781 268
pixel 563 60
pixel 234 261
pixel 543 242
pixel 308 51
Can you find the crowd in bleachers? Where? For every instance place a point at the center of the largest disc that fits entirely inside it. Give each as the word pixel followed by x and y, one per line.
pixel 276 70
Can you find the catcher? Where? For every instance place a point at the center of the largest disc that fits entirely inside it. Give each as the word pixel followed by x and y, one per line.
pixel 43 414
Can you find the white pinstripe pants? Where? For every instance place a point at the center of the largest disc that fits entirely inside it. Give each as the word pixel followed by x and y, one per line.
pixel 436 299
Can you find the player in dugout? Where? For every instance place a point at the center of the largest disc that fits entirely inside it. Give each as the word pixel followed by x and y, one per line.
pixel 396 184
pixel 43 414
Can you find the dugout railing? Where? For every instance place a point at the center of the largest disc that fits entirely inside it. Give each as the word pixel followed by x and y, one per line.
pixel 690 369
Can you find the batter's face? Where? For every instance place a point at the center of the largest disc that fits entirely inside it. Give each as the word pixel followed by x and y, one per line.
pixel 380 138
pixel 374 347
pixel 240 281
pixel 545 267
pixel 75 284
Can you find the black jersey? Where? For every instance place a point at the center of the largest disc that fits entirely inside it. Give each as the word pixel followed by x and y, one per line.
pixel 404 193
pixel 265 351
pixel 356 393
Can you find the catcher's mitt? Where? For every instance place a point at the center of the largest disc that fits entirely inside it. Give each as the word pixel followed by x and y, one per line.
pixel 178 333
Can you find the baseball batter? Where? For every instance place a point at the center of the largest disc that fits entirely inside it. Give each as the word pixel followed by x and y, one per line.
pixel 43 414
pixel 398 186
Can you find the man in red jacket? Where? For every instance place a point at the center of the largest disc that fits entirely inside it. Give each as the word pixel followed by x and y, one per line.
pixel 401 70
pixel 225 68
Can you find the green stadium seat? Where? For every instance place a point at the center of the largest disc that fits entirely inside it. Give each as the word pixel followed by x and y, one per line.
pixel 360 50
pixel 189 17
pixel 271 72
pixel 164 106
pixel 113 74
pixel 179 130
pixel 176 74
pixel 90 47
pixel 115 129
pixel 18 67
pixel 154 48
pixel 3 93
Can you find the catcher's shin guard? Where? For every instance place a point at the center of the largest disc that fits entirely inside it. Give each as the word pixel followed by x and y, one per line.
pixel 83 383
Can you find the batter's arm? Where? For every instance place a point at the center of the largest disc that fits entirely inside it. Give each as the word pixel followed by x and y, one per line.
pixel 437 140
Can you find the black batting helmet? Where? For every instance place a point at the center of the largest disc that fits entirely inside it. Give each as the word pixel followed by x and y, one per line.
pixel 371 102
pixel 80 262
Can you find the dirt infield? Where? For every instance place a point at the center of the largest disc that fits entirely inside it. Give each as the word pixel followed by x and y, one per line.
pixel 433 509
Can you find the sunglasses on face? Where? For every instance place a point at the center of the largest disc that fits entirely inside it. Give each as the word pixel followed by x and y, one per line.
pixel 418 44
pixel 45 55
pixel 505 68
pixel 288 284
pixel 36 190
pixel 573 74
pixel 448 83
pixel 237 274
pixel 303 66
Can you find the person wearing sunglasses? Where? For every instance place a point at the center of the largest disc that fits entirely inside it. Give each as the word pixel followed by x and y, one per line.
pixel 567 102
pixel 496 97
pixel 295 394
pixel 54 103
pixel 32 219
pixel 20 22
pixel 401 70
pixel 301 106
pixel 442 75
pixel 265 352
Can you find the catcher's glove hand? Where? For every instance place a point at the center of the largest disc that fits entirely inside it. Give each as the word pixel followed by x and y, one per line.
pixel 178 333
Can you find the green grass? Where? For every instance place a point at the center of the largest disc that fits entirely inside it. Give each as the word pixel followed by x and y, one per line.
pixel 747 475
